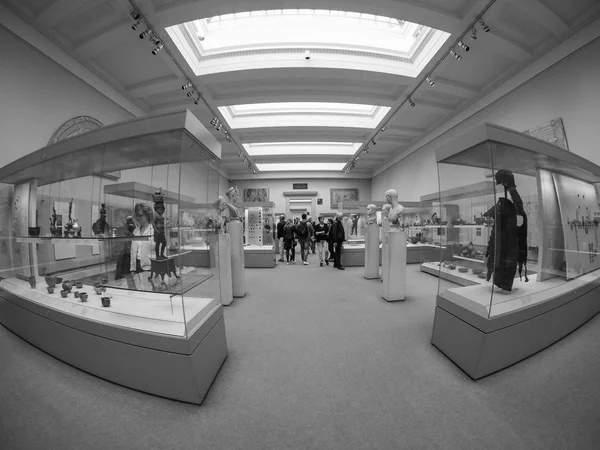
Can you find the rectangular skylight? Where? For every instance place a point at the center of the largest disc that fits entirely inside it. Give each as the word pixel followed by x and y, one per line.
pixel 301 148
pixel 269 167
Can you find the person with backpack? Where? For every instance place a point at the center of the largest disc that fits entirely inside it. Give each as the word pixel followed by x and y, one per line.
pixel 305 232
pixel 339 236
pixel 289 241
pixel 322 238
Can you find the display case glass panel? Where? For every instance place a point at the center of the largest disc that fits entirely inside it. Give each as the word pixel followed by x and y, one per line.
pixel 105 216
pixel 259 224
pixel 521 220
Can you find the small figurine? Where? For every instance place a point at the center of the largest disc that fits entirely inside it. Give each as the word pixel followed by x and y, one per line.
pixel 101 226
pixel 53 220
pixel 159 224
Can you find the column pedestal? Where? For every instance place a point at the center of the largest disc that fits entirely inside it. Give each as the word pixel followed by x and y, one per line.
pixel 394 274
pixel 220 262
pixel 372 252
pixel 238 274
pixel 385 260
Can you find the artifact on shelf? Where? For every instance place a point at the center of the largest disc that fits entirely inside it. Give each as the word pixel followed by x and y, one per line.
pixel 477 271
pixel 34 231
pixel 76 294
pixel 50 280
pixel 160 238
pixel 507 245
pixel 396 210
pixel 463 269
pixel 371 214
pixel 83 296
pixel 105 302
pixel 50 289
pixel 101 226
pixel 64 294
pixel 54 232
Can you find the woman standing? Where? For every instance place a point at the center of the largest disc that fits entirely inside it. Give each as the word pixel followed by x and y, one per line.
pixel 289 240
pixel 142 250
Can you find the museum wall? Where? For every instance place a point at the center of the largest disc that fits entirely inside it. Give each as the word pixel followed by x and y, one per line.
pixel 568 90
pixel 278 186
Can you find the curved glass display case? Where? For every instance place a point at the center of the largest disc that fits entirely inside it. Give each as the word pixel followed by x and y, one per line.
pixel 95 242
pixel 523 234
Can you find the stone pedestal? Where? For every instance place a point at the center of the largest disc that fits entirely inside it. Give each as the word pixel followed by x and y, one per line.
pixel 394 273
pixel 220 262
pixel 372 252
pixel 238 274
pixel 385 228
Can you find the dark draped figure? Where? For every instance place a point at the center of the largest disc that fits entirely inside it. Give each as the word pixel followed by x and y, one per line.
pixel 507 246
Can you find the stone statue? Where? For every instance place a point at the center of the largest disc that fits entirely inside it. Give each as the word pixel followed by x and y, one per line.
pixel 160 237
pixel 385 210
pixel 371 214
pixel 226 205
pixel 391 196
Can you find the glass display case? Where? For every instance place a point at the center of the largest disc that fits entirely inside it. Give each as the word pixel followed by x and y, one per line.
pixel 524 216
pixel 259 220
pixel 98 231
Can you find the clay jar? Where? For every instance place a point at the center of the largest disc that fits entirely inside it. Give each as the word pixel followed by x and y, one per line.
pixel 83 296
pixel 50 289
pixel 98 290
pixel 67 285
pixel 50 281
pixel 79 284
pixel 64 294
pixel 106 302
pixel 76 293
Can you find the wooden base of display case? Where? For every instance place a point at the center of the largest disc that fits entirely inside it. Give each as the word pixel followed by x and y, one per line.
pixel 483 338
pixel 164 364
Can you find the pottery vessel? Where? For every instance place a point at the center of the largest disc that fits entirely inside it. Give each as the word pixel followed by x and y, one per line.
pixel 452 266
pixel 67 285
pixel 34 231
pixel 463 269
pixel 79 284
pixel 106 302
pixel 64 294
pixel 83 296
pixel 50 281
pixel 50 289
pixel 59 280
pixel 76 293
pixel 98 290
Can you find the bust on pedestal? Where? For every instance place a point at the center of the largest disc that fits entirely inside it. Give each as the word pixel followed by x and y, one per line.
pixel 391 196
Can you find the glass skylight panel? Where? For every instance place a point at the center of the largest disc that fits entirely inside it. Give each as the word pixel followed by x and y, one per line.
pixel 270 167
pixel 302 148
pixel 303 107
pixel 348 40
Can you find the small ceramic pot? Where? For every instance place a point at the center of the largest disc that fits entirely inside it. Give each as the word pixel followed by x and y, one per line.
pixel 51 281
pixel 97 284
pixel 79 284
pixel 83 296
pixel 50 289
pixel 98 290
pixel 34 231
pixel 463 269
pixel 59 280
pixel 452 266
pixel 64 294
pixel 67 285
pixel 106 302
pixel 477 271
pixel 76 293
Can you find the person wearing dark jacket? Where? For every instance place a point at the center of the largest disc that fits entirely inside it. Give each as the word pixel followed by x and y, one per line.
pixel 339 236
pixel 330 240
pixel 289 240
pixel 321 238
pixel 280 236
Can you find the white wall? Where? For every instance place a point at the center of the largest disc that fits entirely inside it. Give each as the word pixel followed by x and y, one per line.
pixel 569 89
pixel 37 96
pixel 322 186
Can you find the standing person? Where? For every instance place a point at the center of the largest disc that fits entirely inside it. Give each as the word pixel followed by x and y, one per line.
pixel 311 241
pixel 281 236
pixel 305 232
pixel 330 240
pixel 322 238
pixel 141 251
pixel 289 233
pixel 339 236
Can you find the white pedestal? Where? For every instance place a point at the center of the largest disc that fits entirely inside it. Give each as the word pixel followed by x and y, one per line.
pixel 394 279
pixel 372 252
pixel 220 262
pixel 385 255
pixel 238 274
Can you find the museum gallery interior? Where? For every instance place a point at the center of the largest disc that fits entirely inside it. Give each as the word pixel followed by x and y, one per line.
pixel 227 225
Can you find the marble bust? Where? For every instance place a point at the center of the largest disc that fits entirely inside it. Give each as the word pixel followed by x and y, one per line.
pixel 391 197
pixel 226 205
pixel 371 214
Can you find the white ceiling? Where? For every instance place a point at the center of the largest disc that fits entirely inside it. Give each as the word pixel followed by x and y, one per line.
pixel 98 34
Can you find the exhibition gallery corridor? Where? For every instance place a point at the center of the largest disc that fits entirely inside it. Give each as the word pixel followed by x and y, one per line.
pixel 317 360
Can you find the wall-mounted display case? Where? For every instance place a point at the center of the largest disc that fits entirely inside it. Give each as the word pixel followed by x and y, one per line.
pixel 537 277
pixel 94 254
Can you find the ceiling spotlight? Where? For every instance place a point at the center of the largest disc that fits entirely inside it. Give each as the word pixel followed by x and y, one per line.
pixel 473 33
pixel 201 38
pixel 197 100
pixel 357 158
pixel 484 26
pixel 145 34
pixel 412 104
pixel 353 164
pixel 373 142
pixel 214 121
pixel 190 93
pixel 254 171
pixel 186 86
pixel 135 15
pixel 136 25
pixel 228 138
pixel 155 40
pixel 307 54
pixel 366 150
pixel 456 55
pixel 464 46
pixel 241 154
pixel 383 128
pixel 157 48
pixel 244 159
pixel 430 81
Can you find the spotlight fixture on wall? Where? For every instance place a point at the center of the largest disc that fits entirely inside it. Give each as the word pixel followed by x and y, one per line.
pixel 456 55
pixel 187 86
pixel 157 49
pixel 464 46
pixel 244 160
pixel 197 99
pixel 366 150
pixel 412 104
pixel 155 40
pixel 135 15
pixel 484 26
pixel 353 164
pixel 373 142
pixel 190 93
pixel 145 34
pixel 383 128
pixel 474 33
pixel 430 81
pixel 228 138
pixel 136 25
pixel 307 54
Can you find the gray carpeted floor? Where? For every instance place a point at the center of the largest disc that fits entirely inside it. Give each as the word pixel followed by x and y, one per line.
pixel 317 360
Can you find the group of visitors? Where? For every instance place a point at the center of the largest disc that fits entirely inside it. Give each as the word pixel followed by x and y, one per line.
pixel 322 238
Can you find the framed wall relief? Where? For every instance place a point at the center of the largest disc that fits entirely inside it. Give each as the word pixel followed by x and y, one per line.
pixel 342 194
pixel 256 195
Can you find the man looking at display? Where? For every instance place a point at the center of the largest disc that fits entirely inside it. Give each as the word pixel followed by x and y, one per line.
pixel 338 235
pixel 305 232
pixel 280 236
pixel 321 237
